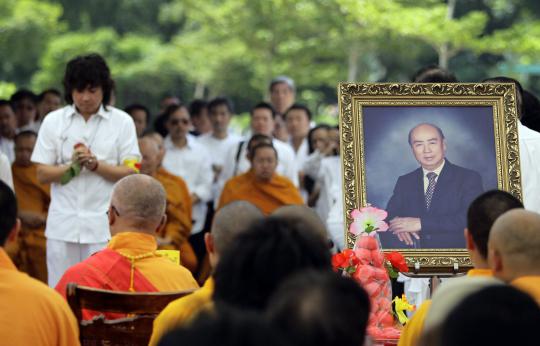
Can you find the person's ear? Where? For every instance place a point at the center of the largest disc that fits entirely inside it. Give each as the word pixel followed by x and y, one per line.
pixel 111 215
pixel 496 261
pixel 469 242
pixel 209 243
pixel 12 236
pixel 162 224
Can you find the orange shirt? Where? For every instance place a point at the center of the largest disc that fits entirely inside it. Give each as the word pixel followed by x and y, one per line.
pixel 178 226
pixel 267 196
pixel 32 313
pixel 530 285
pixel 31 194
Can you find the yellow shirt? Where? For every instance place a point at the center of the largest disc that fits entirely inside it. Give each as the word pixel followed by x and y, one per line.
pixel 32 313
pixel 529 285
pixel 413 329
pixel 182 310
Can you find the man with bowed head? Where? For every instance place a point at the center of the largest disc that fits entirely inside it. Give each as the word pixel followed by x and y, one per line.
pixel 428 207
pixel 82 149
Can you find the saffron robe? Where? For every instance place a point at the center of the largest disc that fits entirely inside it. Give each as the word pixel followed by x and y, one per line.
pixel 530 285
pixel 182 311
pixel 34 197
pixel 110 269
pixel 412 331
pixel 31 313
pixel 178 227
pixel 266 195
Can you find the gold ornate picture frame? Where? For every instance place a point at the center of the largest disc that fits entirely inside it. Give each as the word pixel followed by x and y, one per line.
pixel 376 123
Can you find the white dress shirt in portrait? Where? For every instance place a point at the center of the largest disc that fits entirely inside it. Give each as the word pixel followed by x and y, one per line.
pixel 193 164
pixel 77 212
pixel 436 171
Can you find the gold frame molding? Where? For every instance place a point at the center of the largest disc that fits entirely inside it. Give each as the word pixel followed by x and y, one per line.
pixel 353 96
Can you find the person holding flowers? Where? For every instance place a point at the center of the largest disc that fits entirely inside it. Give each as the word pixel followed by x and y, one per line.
pixel 82 149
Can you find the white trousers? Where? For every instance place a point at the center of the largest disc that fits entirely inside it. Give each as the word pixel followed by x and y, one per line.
pixel 62 255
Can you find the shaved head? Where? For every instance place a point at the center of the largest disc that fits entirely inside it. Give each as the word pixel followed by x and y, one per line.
pixel 232 219
pixel 514 244
pixel 304 215
pixel 159 140
pixel 140 200
pixel 150 155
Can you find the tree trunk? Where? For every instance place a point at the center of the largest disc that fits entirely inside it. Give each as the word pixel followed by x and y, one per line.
pixel 444 55
pixel 199 90
pixel 353 63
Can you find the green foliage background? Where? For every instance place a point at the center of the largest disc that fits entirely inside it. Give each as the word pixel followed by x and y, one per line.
pixel 194 48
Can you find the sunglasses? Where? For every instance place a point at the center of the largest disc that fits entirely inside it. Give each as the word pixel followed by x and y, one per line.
pixel 175 122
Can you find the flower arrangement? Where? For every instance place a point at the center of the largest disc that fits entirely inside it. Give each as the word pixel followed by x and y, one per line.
pixel 367 264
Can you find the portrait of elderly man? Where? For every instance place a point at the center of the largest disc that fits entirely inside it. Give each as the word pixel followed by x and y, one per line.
pixel 428 206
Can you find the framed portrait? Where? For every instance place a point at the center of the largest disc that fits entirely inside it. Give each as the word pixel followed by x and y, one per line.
pixel 423 153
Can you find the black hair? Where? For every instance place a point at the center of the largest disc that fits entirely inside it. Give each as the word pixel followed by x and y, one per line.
pixel 434 74
pixel 196 107
pixel 320 308
pixel 264 105
pixel 8 216
pixel 137 107
pixel 52 91
pixel 258 137
pixel 220 101
pixel 326 127
pixel 20 95
pixel 259 259
pixel 495 315
pixel 519 90
pixel 298 106
pixel 88 71
pixel 5 103
pixel 170 110
pixel 26 133
pixel 531 111
pixel 226 327
pixel 484 211
pixel 435 126
pixel 253 150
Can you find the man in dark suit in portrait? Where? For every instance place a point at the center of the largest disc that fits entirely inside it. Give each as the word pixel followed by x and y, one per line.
pixel 429 205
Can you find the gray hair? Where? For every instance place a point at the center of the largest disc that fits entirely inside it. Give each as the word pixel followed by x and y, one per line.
pixel 141 198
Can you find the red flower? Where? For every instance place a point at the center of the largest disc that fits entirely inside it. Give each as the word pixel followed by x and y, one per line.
pixel 397 261
pixel 345 260
pixel 338 260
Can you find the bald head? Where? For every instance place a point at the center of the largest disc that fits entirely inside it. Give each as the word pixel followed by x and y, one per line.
pixel 305 216
pixel 514 244
pixel 231 220
pixel 150 155
pixel 159 140
pixel 140 202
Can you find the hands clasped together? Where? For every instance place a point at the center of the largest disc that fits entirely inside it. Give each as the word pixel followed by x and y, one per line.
pixel 405 228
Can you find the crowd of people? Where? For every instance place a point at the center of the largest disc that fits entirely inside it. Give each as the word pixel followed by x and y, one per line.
pixel 91 193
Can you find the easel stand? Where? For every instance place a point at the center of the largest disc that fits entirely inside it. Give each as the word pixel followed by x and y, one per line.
pixel 434 277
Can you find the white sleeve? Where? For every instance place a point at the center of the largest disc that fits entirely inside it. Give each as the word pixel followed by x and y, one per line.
pixel 45 151
pixel 128 145
pixel 5 171
pixel 312 165
pixel 291 171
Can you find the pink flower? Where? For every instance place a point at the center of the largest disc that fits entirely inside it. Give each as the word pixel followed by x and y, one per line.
pixel 367 220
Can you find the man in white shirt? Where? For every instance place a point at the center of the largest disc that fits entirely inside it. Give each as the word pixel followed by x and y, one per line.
pixel 219 140
pixel 297 119
pixel 5 171
pixel 102 142
pixel 8 130
pixel 282 96
pixel 262 122
pixel 188 159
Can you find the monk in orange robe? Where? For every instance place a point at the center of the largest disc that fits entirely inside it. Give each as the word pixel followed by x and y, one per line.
pixel 178 227
pixel 514 254
pixel 261 185
pixel 130 261
pixel 481 215
pixel 30 312
pixel 33 200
